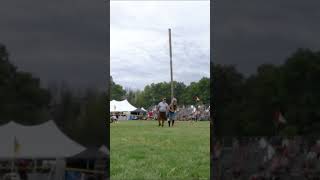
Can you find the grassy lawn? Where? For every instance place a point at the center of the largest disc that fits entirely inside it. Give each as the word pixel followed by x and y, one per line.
pixel 140 150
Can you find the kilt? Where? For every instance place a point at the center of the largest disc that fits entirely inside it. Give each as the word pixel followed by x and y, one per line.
pixel 162 116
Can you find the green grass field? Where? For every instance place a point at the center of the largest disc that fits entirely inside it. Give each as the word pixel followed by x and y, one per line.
pixel 140 150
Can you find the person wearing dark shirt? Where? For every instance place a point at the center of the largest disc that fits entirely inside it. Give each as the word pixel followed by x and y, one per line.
pixel 172 111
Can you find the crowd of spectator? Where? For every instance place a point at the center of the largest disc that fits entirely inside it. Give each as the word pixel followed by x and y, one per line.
pixel 187 113
pixel 263 158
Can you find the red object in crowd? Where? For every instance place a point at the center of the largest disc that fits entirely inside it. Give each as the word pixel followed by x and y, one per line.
pixel 150 114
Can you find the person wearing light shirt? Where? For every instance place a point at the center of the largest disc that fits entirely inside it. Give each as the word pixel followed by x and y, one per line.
pixel 162 110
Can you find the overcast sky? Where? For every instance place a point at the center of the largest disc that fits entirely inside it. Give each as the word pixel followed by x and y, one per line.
pixel 58 40
pixel 139 49
pixel 248 33
pixel 67 40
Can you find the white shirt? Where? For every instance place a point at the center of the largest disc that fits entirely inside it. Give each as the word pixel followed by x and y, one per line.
pixel 162 106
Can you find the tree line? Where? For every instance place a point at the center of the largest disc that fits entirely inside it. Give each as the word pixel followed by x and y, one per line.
pixel 81 116
pixel 245 106
pixel 242 105
pixel 153 93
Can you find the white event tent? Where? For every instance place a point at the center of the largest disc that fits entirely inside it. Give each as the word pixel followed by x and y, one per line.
pixel 122 106
pixel 44 141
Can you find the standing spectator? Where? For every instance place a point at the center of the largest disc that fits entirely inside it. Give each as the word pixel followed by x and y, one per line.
pixel 117 117
pixel 154 113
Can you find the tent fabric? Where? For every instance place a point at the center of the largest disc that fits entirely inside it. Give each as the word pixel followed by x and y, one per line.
pixel 138 110
pixel 44 141
pixel 91 153
pixel 121 106
pixel 143 109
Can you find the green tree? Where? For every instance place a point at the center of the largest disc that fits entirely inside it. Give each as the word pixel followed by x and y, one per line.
pixel 227 88
pixel 94 120
pixel 22 98
pixel 153 93
pixel 300 74
pixel 245 106
pixel 117 91
pixel 199 89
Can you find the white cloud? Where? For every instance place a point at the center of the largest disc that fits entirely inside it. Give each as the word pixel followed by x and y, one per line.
pixel 139 41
